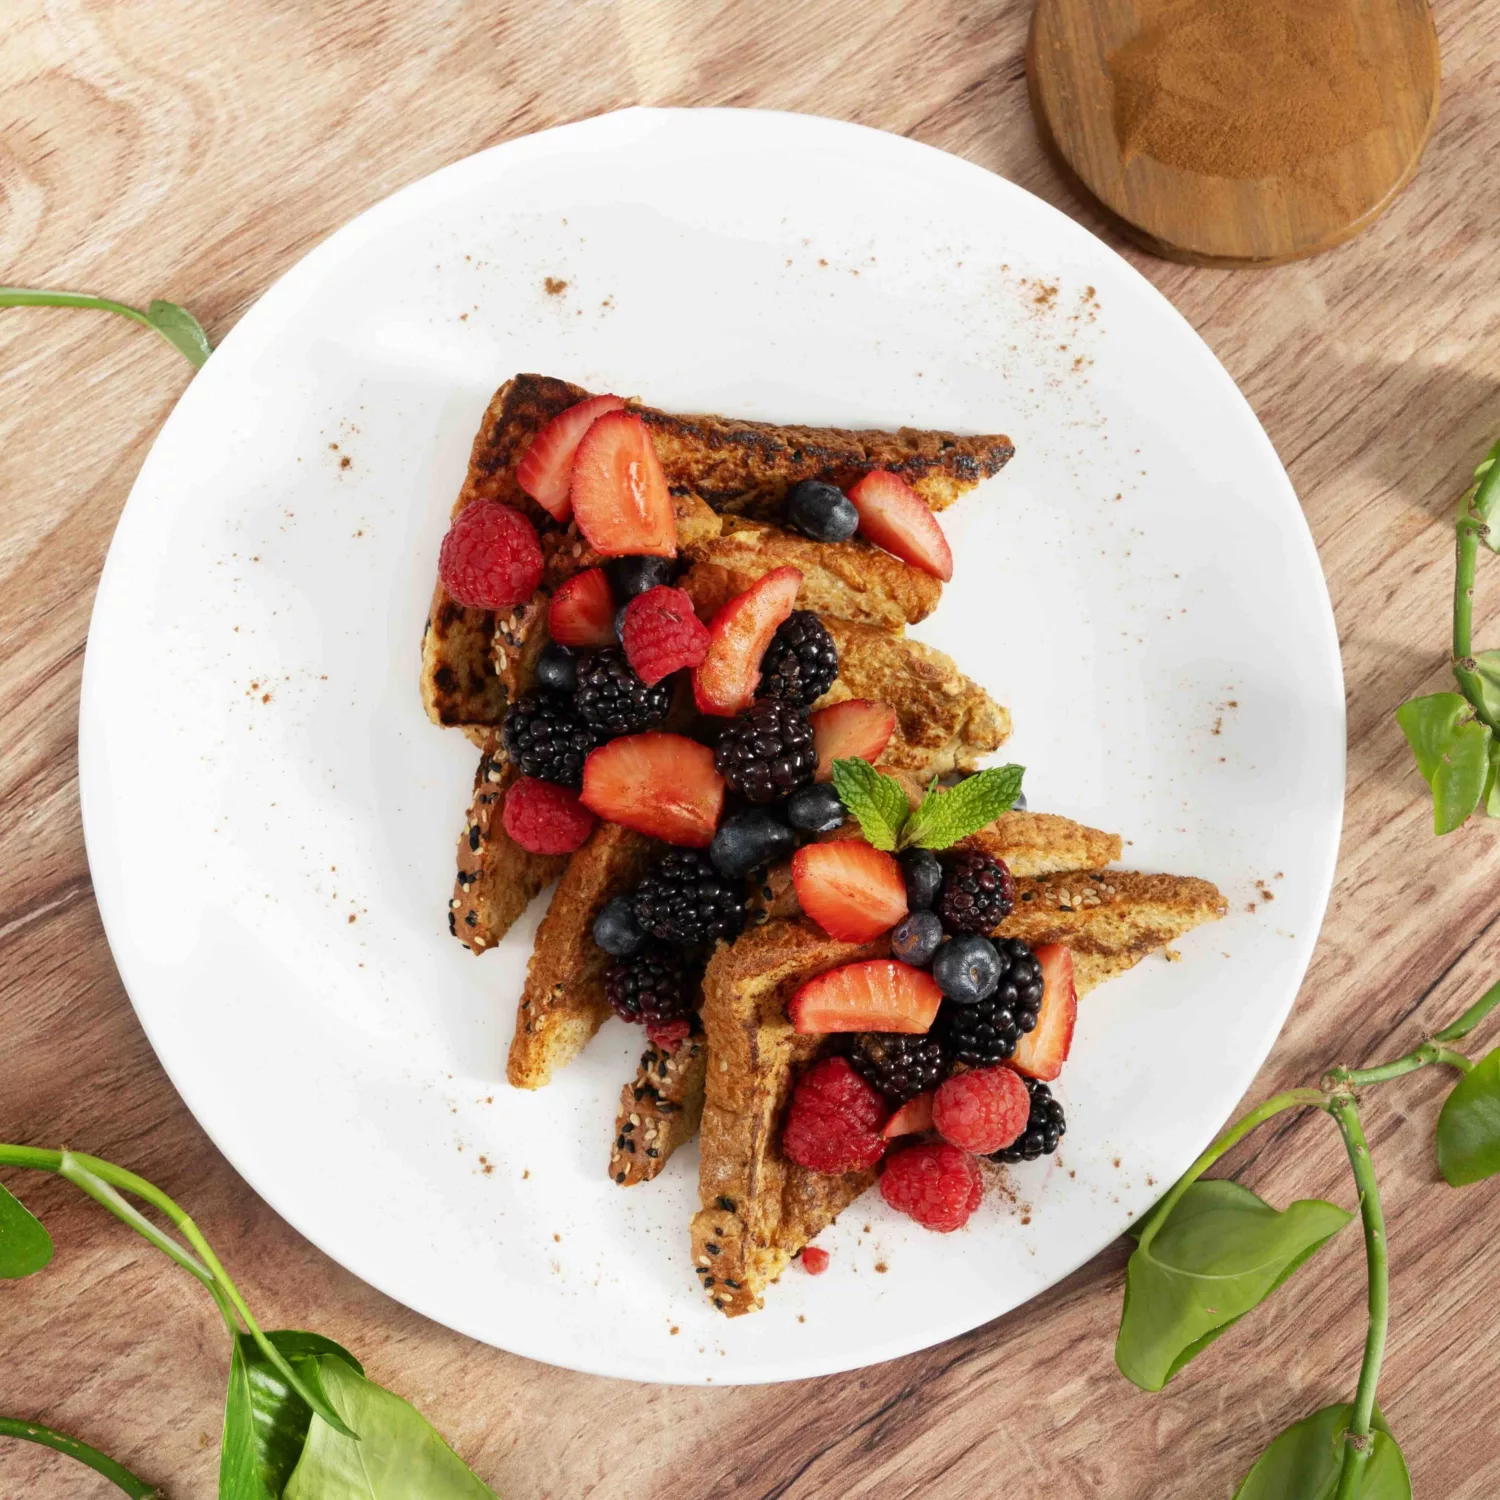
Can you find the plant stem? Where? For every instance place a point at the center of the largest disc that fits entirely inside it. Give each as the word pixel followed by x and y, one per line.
pixel 100 1463
pixel 1474 511
pixel 1358 1444
pixel 1291 1099
pixel 26 296
pixel 1471 1017
pixel 1419 1057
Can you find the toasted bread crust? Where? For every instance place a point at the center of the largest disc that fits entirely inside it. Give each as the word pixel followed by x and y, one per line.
pixel 1111 919
pixel 563 1003
pixel 659 1110
pixel 496 878
pixel 1044 843
pixel 849 580
pixel 759 1209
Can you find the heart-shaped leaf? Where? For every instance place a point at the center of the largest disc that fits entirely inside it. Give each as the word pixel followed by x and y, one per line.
pixel 398 1456
pixel 1304 1462
pixel 1219 1252
pixel 1487 670
pixel 1452 749
pixel 180 329
pixel 24 1245
pixel 1468 1129
pixel 265 1420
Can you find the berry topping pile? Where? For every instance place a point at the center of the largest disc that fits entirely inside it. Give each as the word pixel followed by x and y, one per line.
pixel 490 558
pixel 834 1121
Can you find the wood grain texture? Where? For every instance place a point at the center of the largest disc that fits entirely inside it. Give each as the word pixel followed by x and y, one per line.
pixel 1072 65
pixel 194 150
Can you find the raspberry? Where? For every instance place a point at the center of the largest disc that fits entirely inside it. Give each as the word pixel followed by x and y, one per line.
pixel 814 1260
pixel 981 1110
pixel 936 1184
pixel 669 1035
pixel 835 1119
pixel 662 634
pixel 490 558
pixel 545 818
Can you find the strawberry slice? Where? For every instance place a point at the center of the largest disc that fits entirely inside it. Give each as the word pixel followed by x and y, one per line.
pixel 877 995
pixel 546 465
pixel 582 612
pixel 893 516
pixel 663 785
pixel 912 1118
pixel 618 491
pixel 857 728
pixel 724 682
pixel 852 890
pixel 1043 1050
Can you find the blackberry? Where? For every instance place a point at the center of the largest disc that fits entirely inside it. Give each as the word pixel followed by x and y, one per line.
pixel 977 893
pixel 651 986
pixel 685 900
pixel 801 662
pixel 545 737
pixel 900 1066
pixel 1045 1127
pixel 613 699
pixel 986 1033
pixel 767 751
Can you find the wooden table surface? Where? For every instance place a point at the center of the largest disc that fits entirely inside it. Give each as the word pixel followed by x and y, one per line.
pixel 194 149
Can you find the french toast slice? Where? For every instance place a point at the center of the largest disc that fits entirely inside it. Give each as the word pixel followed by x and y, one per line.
pixel 758 1208
pixel 496 877
pixel 563 1004
pixel 1111 919
pixel 659 1109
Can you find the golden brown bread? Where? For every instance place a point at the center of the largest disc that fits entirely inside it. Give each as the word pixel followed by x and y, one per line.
pixel 659 1110
pixel 496 877
pixel 759 1209
pixel 563 1003
pixel 1111 919
pixel 850 580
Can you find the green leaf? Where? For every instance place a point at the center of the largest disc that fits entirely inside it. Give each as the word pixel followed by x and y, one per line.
pixel 1453 754
pixel 879 802
pixel 265 1420
pixel 182 330
pixel 399 1456
pixel 1487 494
pixel 1492 782
pixel 1468 1129
pixel 946 817
pixel 1219 1253
pixel 1487 670
pixel 1304 1462
pixel 25 1246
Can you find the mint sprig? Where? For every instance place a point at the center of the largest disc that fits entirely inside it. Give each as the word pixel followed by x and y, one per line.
pixel 888 820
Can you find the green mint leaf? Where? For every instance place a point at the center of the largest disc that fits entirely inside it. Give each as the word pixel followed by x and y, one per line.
pixel 25 1246
pixel 1304 1462
pixel 1219 1253
pixel 181 330
pixel 1468 1129
pixel 1452 749
pixel 946 817
pixel 879 802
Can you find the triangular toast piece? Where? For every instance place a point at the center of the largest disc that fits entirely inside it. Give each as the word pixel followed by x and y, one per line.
pixel 563 1003
pixel 496 878
pixel 659 1109
pixel 1111 919
pixel 759 1209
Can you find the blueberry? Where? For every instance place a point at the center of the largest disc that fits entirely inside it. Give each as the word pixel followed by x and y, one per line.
pixel 629 576
pixel 916 938
pixel 557 668
pixel 750 841
pixel 924 874
pixel 620 622
pixel 967 969
pixel 815 809
pixel 821 511
pixel 616 929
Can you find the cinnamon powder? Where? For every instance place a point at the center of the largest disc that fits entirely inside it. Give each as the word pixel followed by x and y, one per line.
pixel 1243 88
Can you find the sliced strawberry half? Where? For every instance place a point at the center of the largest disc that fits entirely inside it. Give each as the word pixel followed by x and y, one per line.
pixel 852 890
pixel 582 612
pixel 618 491
pixel 912 1118
pixel 857 728
pixel 877 995
pixel 663 785
pixel 547 464
pixel 1043 1050
pixel 724 682
pixel 893 515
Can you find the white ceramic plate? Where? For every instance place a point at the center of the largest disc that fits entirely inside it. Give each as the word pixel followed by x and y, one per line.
pixel 271 819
